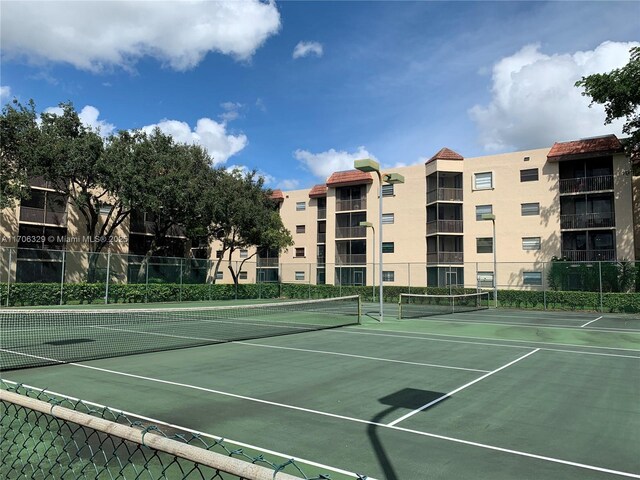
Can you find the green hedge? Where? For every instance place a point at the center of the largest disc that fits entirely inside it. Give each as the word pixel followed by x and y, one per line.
pixel 26 294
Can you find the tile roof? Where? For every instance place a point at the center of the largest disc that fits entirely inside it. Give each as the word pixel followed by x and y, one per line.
pixel 445 154
pixel 587 147
pixel 318 191
pixel 349 177
pixel 277 195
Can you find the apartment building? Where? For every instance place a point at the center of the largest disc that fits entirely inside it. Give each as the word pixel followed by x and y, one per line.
pixel 573 200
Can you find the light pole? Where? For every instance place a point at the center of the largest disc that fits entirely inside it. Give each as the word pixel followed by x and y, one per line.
pixel 373 262
pixel 368 165
pixel 492 217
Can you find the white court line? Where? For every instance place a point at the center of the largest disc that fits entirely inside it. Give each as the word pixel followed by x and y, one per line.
pixel 355 420
pixel 591 322
pixel 450 394
pixel 196 432
pixel 350 330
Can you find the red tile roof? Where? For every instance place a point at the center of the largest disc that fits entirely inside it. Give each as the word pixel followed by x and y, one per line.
pixel 349 177
pixel 277 195
pixel 445 154
pixel 587 147
pixel 318 191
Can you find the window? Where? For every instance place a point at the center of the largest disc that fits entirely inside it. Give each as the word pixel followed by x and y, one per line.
pixel 482 209
pixel 530 209
pixel 300 228
pixel 388 218
pixel 244 253
pixel 529 175
pixel 484 245
pixel 299 275
pixel 388 247
pixel 219 253
pixel 301 206
pixel 219 275
pixel 531 243
pixel 299 252
pixel 387 190
pixel 483 181
pixel 526 159
pixel 485 279
pixel 388 276
pixel 532 278
pixel 242 275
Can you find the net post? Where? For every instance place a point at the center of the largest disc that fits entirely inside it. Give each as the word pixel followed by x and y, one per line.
pixel 400 307
pixel 359 310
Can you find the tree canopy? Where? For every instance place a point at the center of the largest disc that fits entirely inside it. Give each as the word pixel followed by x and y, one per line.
pixel 619 92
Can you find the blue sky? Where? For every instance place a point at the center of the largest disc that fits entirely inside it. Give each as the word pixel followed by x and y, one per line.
pixel 395 81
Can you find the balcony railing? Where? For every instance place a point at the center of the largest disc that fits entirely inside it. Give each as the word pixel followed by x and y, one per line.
pixel 445 257
pixel 348 205
pixel 586 184
pixel 268 262
pixel 321 260
pixel 322 213
pixel 587 220
pixel 322 238
pixel 589 255
pixel 444 226
pixel 351 232
pixel 444 195
pixel 40 215
pixel 351 259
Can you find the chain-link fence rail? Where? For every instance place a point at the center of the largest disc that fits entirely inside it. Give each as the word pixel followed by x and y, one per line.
pixel 48 277
pixel 45 436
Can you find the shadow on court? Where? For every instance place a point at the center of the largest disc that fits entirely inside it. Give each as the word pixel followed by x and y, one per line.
pixel 407 398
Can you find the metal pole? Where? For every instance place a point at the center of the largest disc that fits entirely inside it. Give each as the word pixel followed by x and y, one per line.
pixel 146 282
pixel 181 268
pixel 544 285
pixel 600 277
pixel 9 277
pixel 380 244
pixel 106 288
pixel 495 268
pixel 373 271
pixel 64 258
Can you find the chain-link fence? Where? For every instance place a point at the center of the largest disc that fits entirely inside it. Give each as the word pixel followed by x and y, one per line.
pixel 48 277
pixel 48 436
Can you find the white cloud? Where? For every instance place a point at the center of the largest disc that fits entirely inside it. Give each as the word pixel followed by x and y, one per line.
pixel 536 103
pixel 289 184
pixel 231 111
pixel 304 49
pixel 94 36
pixel 324 164
pixel 5 92
pixel 208 133
pixel 89 117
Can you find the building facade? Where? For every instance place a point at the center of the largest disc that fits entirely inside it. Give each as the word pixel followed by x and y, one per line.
pixel 573 200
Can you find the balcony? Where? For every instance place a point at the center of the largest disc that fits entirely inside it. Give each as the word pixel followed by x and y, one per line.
pixel 445 258
pixel 268 262
pixel 589 255
pixel 320 260
pixel 444 226
pixel 40 215
pixel 349 205
pixel 351 232
pixel 322 213
pixel 587 220
pixel 444 195
pixel 586 184
pixel 351 259
pixel 322 238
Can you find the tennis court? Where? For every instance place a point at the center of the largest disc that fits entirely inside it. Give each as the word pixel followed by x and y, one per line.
pixel 496 394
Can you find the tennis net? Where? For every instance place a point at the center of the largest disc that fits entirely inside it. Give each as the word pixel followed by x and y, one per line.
pixel 32 338
pixel 416 306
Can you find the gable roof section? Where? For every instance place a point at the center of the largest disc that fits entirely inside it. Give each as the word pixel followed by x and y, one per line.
pixel 585 148
pixel 349 177
pixel 318 191
pixel 445 154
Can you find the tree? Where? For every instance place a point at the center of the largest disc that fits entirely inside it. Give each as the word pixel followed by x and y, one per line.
pixel 245 216
pixel 18 135
pixel 619 92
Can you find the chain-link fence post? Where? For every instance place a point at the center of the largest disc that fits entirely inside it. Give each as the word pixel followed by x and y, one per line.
pixel 181 273
pixel 544 285
pixel 106 283
pixel 9 276
pixel 600 278
pixel 64 260
pixel 146 281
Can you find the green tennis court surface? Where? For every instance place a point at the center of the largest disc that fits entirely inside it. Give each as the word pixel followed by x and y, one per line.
pixel 492 394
